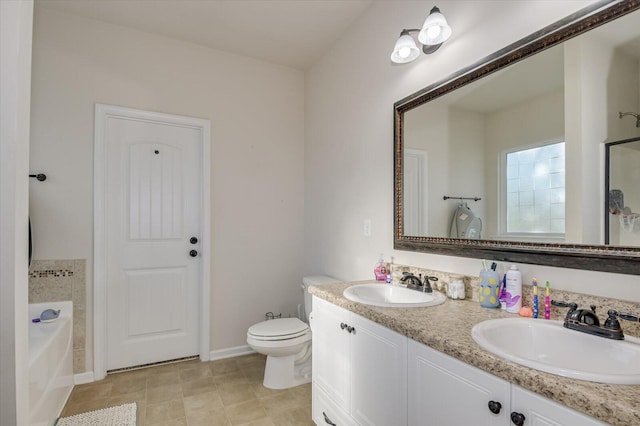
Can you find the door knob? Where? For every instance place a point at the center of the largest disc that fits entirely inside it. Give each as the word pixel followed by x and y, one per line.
pixel 193 253
pixel 193 240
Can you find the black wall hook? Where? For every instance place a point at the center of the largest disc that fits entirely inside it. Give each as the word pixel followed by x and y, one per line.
pixel 40 176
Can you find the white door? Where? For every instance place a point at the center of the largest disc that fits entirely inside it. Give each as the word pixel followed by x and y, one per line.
pixel 153 211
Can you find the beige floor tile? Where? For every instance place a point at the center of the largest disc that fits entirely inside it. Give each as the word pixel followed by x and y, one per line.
pixel 91 391
pixel 245 412
pixel 173 422
pixel 235 377
pixel 168 410
pixel 250 359
pixel 164 393
pixel 200 371
pixel 202 402
pixel 262 392
pixel 198 386
pixel 236 393
pixel 123 386
pixel 293 417
pixel 260 422
pixel 279 402
pixel 215 417
pixel 255 375
pixel 138 397
pixel 223 366
pixel 163 378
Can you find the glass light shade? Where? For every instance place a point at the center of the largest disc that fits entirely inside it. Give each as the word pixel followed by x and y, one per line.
pixel 435 29
pixel 405 50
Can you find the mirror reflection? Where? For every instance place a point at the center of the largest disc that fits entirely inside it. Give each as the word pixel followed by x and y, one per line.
pixel 622 223
pixel 527 143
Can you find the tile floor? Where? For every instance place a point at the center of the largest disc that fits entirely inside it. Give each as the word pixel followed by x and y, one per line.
pixel 192 393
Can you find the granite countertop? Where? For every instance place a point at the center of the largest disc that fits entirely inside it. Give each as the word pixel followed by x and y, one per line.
pixel 447 328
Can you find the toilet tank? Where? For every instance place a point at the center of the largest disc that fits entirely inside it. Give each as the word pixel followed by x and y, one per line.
pixel 313 280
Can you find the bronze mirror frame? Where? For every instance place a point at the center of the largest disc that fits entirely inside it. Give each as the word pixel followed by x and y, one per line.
pixel 624 260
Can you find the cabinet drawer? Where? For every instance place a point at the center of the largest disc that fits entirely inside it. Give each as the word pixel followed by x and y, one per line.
pixel 326 412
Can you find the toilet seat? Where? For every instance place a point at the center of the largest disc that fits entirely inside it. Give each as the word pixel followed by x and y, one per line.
pixel 278 329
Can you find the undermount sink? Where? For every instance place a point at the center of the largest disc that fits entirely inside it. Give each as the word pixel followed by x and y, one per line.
pixel 393 296
pixel 547 346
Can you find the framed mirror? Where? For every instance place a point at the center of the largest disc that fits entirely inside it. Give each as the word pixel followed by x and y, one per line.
pixel 504 159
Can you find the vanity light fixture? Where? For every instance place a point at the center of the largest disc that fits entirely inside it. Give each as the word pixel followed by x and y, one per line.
pixel 434 32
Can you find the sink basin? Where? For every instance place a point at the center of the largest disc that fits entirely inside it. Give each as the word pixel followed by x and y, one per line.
pixel 393 296
pixel 547 346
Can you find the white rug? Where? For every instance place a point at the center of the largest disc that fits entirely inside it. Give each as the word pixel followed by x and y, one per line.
pixel 122 415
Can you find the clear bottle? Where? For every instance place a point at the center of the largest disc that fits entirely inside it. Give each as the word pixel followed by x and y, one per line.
pixel 514 290
pixel 381 270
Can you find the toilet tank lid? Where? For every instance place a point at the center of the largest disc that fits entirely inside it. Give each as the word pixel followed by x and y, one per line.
pixel 318 280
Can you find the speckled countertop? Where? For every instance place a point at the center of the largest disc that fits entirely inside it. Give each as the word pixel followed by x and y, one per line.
pixel 447 328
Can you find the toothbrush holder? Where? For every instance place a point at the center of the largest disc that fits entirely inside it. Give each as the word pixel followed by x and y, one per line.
pixel 489 289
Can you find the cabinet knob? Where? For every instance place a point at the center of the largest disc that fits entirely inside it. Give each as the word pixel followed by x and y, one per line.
pixel 343 325
pixel 517 418
pixel 495 407
pixel 327 420
pixel 351 329
pixel 193 240
pixel 193 253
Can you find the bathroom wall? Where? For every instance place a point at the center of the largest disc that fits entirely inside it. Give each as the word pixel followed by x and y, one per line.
pixel 256 111
pixel 60 280
pixel 535 121
pixel 349 135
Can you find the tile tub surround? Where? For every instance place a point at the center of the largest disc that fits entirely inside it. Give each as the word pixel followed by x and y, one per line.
pixel 447 328
pixel 60 280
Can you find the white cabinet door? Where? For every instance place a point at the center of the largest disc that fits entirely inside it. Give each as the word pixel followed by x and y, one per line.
pixel 378 374
pixel 331 350
pixel 444 391
pixel 540 411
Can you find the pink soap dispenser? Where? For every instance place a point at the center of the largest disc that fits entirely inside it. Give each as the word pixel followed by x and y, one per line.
pixel 381 270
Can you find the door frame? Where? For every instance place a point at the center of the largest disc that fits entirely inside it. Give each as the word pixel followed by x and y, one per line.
pixel 100 232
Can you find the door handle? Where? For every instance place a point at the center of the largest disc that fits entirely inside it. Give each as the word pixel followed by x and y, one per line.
pixel 193 253
pixel 327 420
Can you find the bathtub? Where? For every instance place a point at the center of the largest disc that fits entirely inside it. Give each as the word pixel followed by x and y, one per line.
pixel 50 363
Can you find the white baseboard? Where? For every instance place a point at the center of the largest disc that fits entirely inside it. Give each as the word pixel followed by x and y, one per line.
pixel 82 378
pixel 230 352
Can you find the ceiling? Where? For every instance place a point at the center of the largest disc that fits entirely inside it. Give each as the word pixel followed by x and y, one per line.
pixel 293 33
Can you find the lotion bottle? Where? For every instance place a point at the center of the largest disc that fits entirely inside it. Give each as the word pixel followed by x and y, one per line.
pixel 381 270
pixel 514 290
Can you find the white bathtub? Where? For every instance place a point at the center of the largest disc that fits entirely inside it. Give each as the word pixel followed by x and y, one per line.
pixel 50 363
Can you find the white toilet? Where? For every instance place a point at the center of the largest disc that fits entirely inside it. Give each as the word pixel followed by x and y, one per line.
pixel 287 344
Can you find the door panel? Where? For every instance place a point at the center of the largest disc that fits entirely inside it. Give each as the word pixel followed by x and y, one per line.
pixel 153 198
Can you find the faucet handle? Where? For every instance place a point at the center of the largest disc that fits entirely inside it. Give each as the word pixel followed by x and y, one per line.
pixel 612 322
pixel 572 306
pixel 624 315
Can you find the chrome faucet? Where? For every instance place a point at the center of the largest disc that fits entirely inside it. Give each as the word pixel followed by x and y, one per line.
pixel 587 321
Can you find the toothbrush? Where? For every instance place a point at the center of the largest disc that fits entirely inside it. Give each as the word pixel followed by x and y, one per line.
pixel 547 303
pixel 535 298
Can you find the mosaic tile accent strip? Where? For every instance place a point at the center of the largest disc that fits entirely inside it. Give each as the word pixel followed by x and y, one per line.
pixel 51 273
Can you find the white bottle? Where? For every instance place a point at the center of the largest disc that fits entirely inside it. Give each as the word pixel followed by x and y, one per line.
pixel 514 290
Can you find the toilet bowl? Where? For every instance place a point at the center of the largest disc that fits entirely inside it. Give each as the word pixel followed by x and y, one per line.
pixel 287 344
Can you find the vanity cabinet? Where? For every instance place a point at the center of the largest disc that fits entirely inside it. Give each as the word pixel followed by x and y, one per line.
pixel 359 370
pixel 446 391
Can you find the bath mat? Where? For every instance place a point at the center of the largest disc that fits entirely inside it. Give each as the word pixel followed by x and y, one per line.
pixel 122 415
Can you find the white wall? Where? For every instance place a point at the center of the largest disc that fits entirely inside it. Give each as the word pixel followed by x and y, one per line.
pixel 349 134
pixel 16 19
pixel 257 117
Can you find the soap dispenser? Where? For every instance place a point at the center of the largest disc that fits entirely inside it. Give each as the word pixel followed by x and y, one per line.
pixel 381 270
